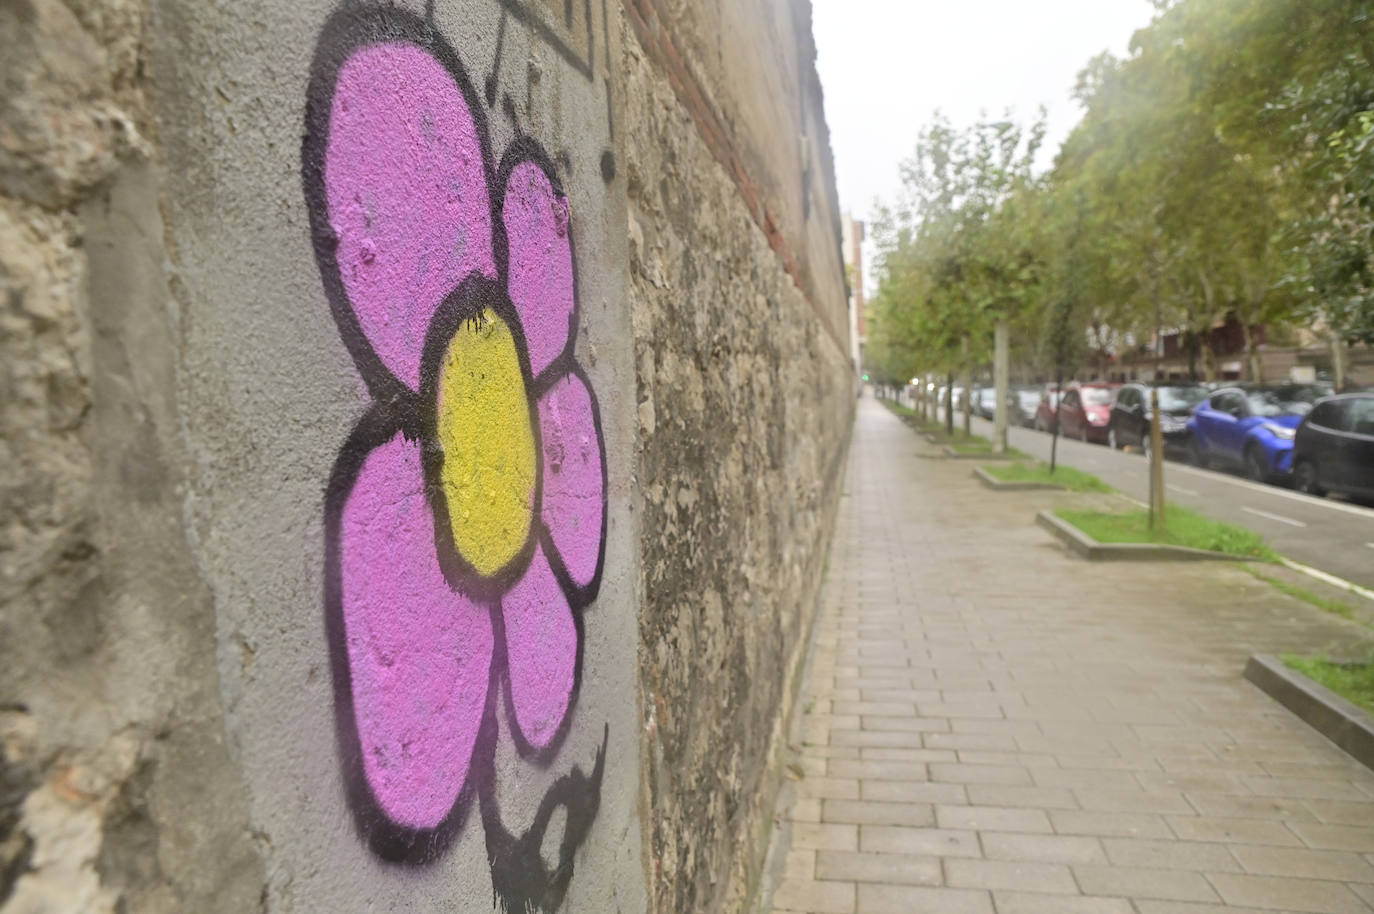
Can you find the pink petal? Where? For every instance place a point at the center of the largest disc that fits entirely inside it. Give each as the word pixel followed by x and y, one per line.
pixel 407 189
pixel 574 502
pixel 541 263
pixel 541 651
pixel 419 655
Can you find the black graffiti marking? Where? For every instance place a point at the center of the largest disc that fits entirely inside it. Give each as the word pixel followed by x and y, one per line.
pixel 518 878
pixel 521 883
pixel 536 24
pixel 496 60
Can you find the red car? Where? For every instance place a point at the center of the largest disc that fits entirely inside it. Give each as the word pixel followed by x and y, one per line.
pixel 1086 411
pixel 1044 413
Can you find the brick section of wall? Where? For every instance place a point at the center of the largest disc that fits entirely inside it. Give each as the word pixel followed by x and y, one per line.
pixel 647 23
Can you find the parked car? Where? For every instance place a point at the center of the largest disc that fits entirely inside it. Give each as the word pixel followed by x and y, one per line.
pixel 985 402
pixel 1251 428
pixel 1333 450
pixel 1130 418
pixel 1085 411
pixel 1024 403
pixel 1046 409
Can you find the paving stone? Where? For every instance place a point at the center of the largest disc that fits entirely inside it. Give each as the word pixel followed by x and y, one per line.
pixel 1013 795
pixel 903 869
pixel 825 836
pixel 1041 848
pixel 979 774
pixel 1303 862
pixel 912 791
pixel 923 842
pixel 816 897
pixel 895 899
pixel 1170 885
pixel 993 818
pixel 999 874
pixel 1335 837
pixel 1174 855
pixel 1233 831
pixel 1133 801
pixel 860 812
pixel 1308 896
pixel 1109 824
pixel 1028 903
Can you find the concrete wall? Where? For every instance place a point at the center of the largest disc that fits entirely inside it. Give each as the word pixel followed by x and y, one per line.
pixel 421 428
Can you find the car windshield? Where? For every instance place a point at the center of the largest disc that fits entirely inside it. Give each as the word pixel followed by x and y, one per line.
pixel 1294 400
pixel 1181 397
pixel 1097 396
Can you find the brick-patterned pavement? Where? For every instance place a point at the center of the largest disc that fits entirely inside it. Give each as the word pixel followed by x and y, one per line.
pixel 993 726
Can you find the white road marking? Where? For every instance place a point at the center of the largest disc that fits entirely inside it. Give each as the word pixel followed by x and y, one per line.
pixel 1278 517
pixel 1309 500
pixel 1370 545
pixel 1329 578
pixel 1179 489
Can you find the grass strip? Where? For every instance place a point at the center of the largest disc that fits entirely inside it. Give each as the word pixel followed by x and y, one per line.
pixel 1184 528
pixel 1352 681
pixel 899 409
pixel 1335 607
pixel 1068 477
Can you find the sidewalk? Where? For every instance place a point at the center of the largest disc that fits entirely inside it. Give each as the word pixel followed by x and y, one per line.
pixel 994 726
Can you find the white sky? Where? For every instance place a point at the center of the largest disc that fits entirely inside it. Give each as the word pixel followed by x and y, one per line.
pixel 886 65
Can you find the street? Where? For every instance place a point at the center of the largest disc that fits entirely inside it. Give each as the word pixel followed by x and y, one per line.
pixel 1330 535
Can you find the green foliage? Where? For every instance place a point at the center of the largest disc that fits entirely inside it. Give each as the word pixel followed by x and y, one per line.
pixel 1335 607
pixel 1224 168
pixel 1352 681
pixel 1186 528
pixel 1069 478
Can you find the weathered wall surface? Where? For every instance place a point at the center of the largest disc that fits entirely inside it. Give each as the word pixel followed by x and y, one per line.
pixel 420 427
pixel 745 399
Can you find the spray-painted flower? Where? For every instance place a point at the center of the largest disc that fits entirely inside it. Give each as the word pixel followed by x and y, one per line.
pixel 466 513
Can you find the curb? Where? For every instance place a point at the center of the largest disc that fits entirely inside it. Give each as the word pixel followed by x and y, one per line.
pixel 1346 725
pixel 952 454
pixel 992 482
pixel 1087 547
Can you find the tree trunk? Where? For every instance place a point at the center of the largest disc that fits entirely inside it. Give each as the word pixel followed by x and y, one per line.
pixel 1338 363
pixel 949 404
pixel 1001 379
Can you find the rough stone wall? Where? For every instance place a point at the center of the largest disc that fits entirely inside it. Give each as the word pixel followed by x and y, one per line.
pixel 116 789
pixel 195 384
pixel 745 401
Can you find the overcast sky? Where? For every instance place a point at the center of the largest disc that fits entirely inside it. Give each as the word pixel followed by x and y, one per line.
pixel 886 65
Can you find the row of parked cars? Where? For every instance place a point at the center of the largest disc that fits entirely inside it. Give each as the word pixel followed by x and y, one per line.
pixel 1298 433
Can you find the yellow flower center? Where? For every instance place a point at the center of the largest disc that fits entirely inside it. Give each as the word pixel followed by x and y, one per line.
pixel 488 443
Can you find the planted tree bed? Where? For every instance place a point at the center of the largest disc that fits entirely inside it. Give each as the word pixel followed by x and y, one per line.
pixel 1038 475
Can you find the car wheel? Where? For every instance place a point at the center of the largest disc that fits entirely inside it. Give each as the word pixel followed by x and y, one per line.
pixel 1305 479
pixel 1255 467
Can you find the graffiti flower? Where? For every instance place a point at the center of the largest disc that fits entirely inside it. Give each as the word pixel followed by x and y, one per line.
pixel 466 513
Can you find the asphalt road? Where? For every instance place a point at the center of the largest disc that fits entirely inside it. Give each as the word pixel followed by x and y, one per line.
pixel 1328 534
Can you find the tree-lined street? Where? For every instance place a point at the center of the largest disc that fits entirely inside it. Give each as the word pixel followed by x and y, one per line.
pixel 1333 536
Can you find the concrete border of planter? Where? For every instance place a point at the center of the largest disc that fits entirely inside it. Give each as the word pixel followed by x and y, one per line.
pixel 992 482
pixel 1087 547
pixel 952 454
pixel 1342 722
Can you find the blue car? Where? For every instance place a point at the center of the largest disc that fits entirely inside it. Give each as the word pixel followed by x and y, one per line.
pixel 1251 428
